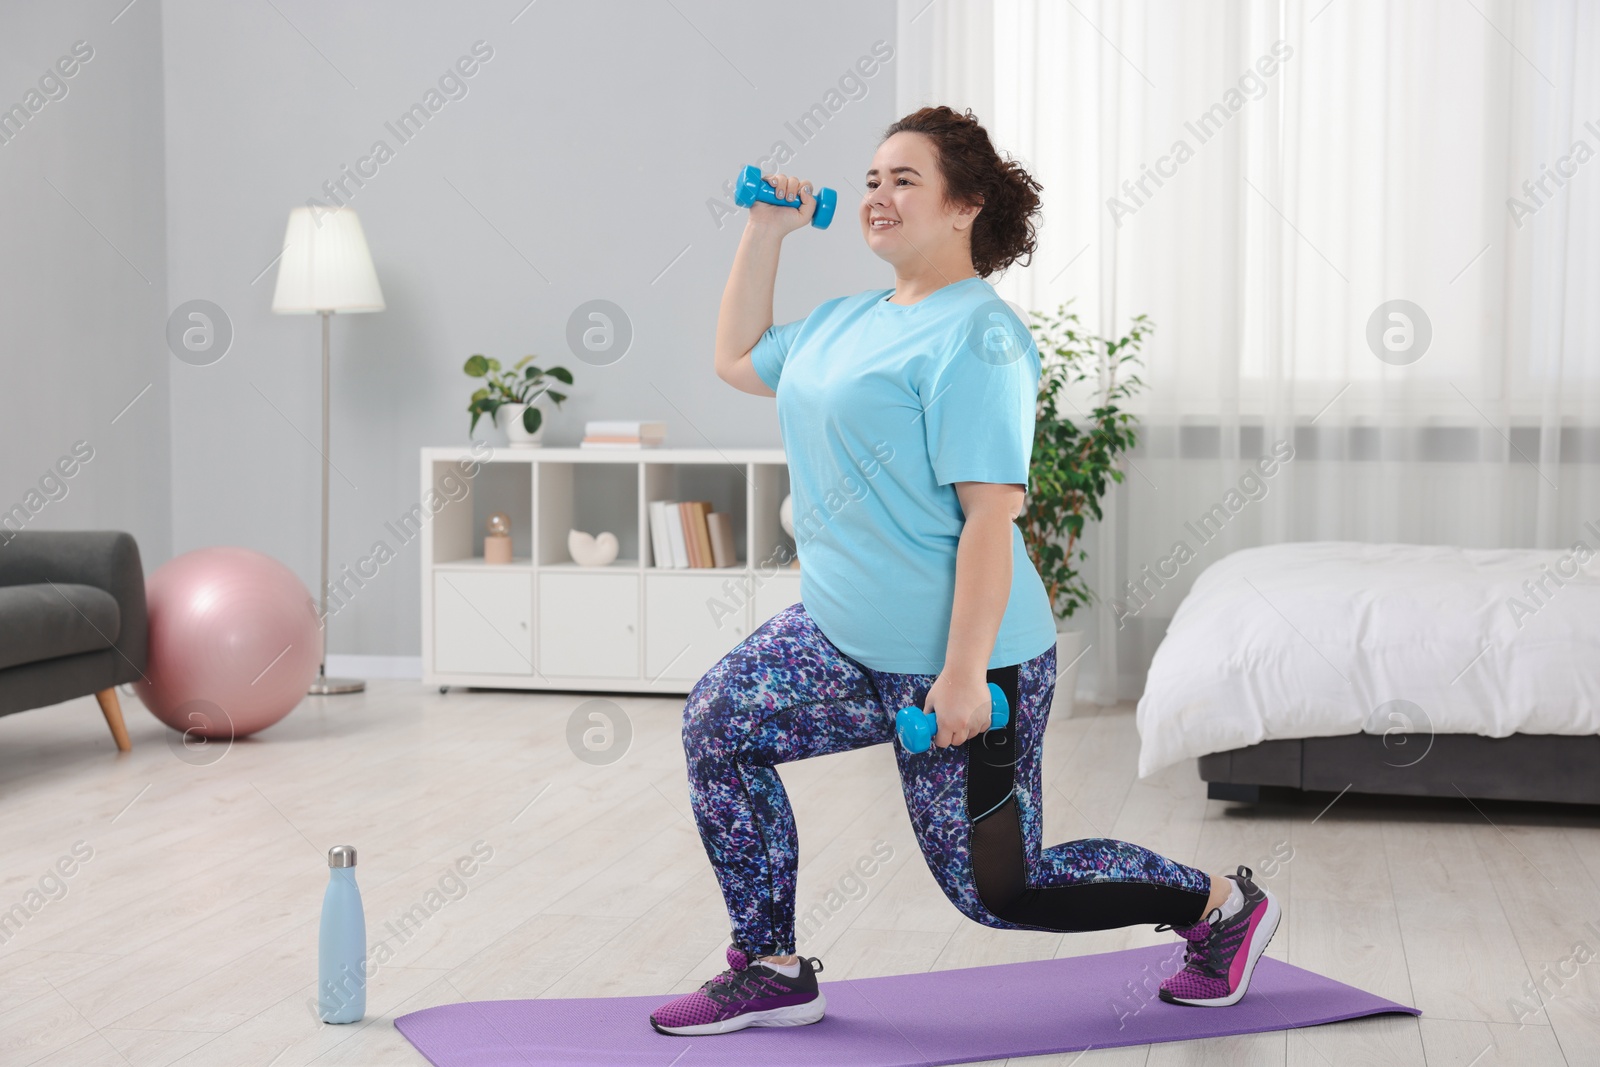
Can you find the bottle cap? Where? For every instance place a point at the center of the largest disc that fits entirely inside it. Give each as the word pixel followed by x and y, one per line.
pixel 342 856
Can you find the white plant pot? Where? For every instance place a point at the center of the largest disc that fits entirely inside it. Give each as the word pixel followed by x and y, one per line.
pixel 1069 647
pixel 509 417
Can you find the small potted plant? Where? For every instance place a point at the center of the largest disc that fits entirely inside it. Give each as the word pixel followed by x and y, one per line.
pixel 1075 460
pixel 510 396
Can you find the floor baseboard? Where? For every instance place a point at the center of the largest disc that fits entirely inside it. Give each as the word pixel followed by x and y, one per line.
pixel 375 667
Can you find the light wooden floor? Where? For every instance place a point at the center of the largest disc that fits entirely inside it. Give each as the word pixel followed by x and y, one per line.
pixel 190 936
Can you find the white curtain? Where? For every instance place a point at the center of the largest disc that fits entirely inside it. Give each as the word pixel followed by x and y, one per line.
pixel 1262 178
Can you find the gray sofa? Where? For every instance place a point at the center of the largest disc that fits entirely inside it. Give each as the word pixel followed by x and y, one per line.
pixel 72 620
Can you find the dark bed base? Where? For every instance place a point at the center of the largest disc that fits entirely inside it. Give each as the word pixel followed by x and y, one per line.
pixel 1520 767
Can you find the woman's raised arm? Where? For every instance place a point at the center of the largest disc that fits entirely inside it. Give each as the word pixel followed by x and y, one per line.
pixel 747 299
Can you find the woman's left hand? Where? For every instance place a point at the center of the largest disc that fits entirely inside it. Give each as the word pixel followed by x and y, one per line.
pixel 961 705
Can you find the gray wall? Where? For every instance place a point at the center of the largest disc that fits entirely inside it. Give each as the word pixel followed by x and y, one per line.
pixel 83 273
pixel 577 166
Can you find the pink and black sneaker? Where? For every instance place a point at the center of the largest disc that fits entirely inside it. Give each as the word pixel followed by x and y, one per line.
pixel 748 993
pixel 1222 953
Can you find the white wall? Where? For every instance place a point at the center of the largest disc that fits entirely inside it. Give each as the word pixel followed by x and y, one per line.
pixel 83 273
pixel 577 166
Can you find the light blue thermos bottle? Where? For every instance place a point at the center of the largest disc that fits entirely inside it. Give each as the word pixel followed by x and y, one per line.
pixel 342 945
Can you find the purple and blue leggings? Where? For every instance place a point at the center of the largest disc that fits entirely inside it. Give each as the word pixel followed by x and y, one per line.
pixel 788 693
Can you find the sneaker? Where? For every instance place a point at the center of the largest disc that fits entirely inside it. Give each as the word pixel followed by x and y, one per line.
pixel 1222 953
pixel 748 993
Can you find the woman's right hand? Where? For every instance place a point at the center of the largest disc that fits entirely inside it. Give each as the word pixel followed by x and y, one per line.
pixel 785 220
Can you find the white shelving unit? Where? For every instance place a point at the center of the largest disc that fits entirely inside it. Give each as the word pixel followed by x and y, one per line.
pixel 542 621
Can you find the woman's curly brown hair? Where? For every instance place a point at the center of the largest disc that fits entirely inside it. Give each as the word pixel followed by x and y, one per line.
pixel 974 173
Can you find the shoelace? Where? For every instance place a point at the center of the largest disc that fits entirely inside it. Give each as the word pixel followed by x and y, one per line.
pixel 1202 955
pixel 727 987
pixel 728 975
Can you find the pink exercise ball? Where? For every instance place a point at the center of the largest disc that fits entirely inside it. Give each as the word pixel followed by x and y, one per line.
pixel 234 642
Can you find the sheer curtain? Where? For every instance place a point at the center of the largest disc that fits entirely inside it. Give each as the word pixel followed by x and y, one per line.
pixel 1369 237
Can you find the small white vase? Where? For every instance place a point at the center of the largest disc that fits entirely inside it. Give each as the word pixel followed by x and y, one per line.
pixel 1069 647
pixel 509 417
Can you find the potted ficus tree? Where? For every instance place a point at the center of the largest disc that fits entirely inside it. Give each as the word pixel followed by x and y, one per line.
pixel 1076 457
pixel 510 396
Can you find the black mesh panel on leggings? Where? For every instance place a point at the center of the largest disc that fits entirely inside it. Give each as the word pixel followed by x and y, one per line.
pixel 997 852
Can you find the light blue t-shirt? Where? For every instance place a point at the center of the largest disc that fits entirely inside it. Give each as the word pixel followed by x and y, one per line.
pixel 883 407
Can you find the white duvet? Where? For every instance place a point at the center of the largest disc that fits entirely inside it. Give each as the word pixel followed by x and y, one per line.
pixel 1326 638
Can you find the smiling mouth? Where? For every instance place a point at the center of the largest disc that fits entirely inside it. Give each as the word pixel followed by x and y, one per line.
pixel 883 224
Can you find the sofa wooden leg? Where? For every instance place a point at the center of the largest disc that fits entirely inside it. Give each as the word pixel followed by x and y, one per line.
pixel 113 713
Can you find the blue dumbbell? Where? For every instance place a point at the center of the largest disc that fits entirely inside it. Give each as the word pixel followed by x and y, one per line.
pixel 751 187
pixel 917 727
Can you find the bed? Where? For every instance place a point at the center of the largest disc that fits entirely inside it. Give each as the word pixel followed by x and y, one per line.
pixel 1384 668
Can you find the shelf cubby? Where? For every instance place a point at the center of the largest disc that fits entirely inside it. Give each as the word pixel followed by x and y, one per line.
pixel 466 501
pixel 724 484
pixel 592 497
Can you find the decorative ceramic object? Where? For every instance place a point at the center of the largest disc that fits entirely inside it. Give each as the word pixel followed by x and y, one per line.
pixel 497 542
pixel 786 520
pixel 587 551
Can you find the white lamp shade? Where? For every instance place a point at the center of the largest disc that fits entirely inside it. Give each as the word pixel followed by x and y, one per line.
pixel 325 265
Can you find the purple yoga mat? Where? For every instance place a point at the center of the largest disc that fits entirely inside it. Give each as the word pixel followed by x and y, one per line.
pixel 908 1020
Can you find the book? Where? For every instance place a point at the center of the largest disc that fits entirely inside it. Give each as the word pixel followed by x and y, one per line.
pixel 654 539
pixel 599 433
pixel 674 524
pixel 720 523
pixel 689 512
pixel 660 546
pixel 625 427
pixel 693 557
pixel 702 530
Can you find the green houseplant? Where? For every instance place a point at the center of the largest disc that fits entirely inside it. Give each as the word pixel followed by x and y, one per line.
pixel 522 384
pixel 1076 458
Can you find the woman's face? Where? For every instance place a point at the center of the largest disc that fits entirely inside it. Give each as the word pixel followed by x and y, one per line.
pixel 904 217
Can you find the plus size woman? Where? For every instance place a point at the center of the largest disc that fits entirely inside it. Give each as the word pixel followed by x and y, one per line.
pixel 907 417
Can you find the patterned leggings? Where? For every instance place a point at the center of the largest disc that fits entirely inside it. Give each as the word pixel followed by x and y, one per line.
pixel 788 693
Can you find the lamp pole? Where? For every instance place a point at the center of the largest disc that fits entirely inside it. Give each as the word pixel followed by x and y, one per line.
pixel 324 685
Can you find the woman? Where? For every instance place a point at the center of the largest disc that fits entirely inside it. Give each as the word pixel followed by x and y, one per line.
pixel 907 418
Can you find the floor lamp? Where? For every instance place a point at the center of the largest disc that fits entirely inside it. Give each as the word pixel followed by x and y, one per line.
pixel 326 268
